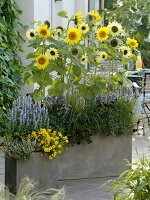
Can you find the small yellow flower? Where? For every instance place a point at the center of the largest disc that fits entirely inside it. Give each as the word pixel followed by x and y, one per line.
pixel 59 151
pixel 101 55
pixel 78 18
pixel 73 36
pixel 126 51
pixel 132 43
pixel 49 130
pixel 56 143
pixel 102 33
pixel 83 59
pixel 52 53
pixel 43 31
pixel 59 146
pixel 42 62
pixel 60 134
pixel 83 28
pixel 50 157
pixel 30 34
pixel 115 28
pixel 67 141
pixel 95 15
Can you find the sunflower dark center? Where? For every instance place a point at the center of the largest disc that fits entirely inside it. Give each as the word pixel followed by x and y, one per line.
pixel 114 43
pixel 72 36
pixel 52 53
pixel 83 28
pixel 114 29
pixel 132 44
pixel 103 56
pixel 41 61
pixel 43 32
pixel 102 34
pixel 74 51
pixel 125 52
pixel 32 34
pixel 83 59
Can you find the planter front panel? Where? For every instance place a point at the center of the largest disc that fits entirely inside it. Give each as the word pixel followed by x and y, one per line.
pixel 103 157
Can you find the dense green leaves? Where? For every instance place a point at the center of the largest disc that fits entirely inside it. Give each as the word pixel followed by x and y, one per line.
pixel 10 63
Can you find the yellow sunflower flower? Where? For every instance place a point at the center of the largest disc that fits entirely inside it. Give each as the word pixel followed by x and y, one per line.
pixel 73 36
pixel 52 53
pixel 43 31
pixel 95 15
pixel 100 56
pixel 78 18
pixel 30 34
pixel 42 62
pixel 132 43
pixel 126 51
pixel 83 59
pixel 102 33
pixel 115 28
pixel 83 28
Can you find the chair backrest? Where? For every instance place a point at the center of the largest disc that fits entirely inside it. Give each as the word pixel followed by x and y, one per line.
pixel 146 84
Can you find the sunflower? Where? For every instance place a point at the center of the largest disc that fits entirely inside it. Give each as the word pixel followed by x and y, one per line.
pixel 83 59
pixel 132 43
pixel 95 15
pixel 102 33
pixel 101 55
pixel 126 51
pixel 83 28
pixel 78 18
pixel 43 31
pixel 115 28
pixel 42 61
pixel 114 42
pixel 30 34
pixel 52 53
pixel 73 36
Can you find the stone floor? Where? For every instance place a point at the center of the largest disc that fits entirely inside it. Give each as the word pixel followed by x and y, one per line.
pixel 88 189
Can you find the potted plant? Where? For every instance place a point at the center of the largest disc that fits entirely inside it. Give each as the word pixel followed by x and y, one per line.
pixel 87 105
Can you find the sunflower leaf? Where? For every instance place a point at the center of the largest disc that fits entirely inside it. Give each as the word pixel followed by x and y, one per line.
pixel 63 14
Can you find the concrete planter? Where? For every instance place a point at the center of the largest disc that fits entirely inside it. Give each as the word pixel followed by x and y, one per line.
pixel 103 157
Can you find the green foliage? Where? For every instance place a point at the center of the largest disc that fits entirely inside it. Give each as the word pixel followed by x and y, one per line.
pixel 134 16
pixel 79 119
pixel 10 63
pixel 133 183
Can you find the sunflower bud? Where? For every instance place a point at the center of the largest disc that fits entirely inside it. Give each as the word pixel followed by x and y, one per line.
pixel 74 51
pixel 60 27
pixel 90 17
pixel 114 43
pixel 47 23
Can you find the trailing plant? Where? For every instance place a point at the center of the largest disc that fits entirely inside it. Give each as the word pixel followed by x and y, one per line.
pixel 134 16
pixel 133 183
pixel 27 190
pixel 11 66
pixel 62 53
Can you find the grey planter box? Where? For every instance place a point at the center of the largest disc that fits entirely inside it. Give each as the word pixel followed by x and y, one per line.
pixel 103 157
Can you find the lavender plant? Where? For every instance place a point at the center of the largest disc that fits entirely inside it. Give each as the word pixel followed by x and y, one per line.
pixel 26 116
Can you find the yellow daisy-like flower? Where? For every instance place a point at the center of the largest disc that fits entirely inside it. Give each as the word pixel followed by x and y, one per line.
pixel 115 28
pixel 83 28
pixel 78 18
pixel 43 31
pixel 132 43
pixel 42 61
pixel 100 56
pixel 95 15
pixel 126 51
pixel 83 60
pixel 52 53
pixel 30 34
pixel 102 33
pixel 73 36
